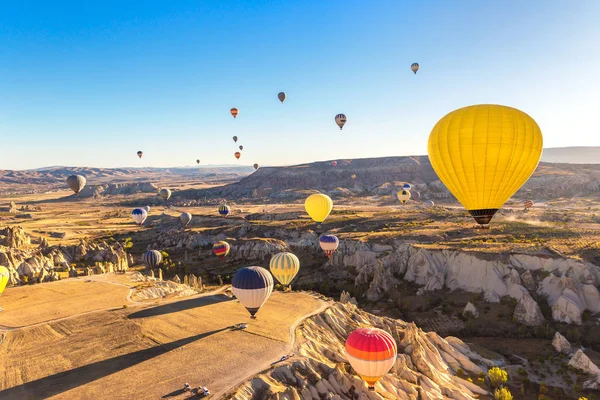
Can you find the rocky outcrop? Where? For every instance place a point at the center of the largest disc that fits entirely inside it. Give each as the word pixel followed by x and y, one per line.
pixel 14 237
pixel 582 362
pixel 528 312
pixel 470 310
pixel 163 289
pixel 425 368
pixel 118 188
pixel 561 344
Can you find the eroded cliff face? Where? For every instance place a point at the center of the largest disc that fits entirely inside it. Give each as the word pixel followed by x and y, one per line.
pixel 425 369
pixel 32 260
pixel 570 285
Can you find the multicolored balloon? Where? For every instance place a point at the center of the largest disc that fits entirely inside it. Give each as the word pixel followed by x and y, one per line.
pixel 252 286
pixel 224 210
pixel 528 204
pixel 152 258
pixel 234 112
pixel 221 249
pixel 318 206
pixel 329 244
pixel 372 352
pixel 139 215
pixel 76 183
pixel 284 267
pixel 403 196
pixel 281 96
pixel 484 154
pixel 340 120
pixel 414 67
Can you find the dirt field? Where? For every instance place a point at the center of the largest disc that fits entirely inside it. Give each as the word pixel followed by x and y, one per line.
pixel 139 351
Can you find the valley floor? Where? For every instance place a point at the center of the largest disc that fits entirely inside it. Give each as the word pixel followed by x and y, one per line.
pixel 75 339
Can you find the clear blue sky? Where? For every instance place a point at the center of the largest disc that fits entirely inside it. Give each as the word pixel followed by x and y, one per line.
pixel 89 85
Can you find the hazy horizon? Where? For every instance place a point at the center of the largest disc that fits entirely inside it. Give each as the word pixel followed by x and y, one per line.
pixel 93 84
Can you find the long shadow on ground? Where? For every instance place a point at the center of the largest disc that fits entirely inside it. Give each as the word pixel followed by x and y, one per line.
pixel 59 383
pixel 180 306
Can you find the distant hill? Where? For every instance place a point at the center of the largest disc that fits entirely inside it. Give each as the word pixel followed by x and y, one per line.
pixel 572 155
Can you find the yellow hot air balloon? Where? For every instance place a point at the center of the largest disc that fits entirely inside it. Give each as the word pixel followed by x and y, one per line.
pixel 284 267
pixel 4 275
pixel 403 195
pixel 484 154
pixel 318 206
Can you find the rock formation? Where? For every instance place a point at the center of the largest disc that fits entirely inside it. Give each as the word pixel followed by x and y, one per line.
pixel 528 311
pixel 470 310
pixel 561 344
pixel 581 362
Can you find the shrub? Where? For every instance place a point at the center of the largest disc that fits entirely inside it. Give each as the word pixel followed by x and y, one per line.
pixel 502 394
pixel 497 376
pixel 460 373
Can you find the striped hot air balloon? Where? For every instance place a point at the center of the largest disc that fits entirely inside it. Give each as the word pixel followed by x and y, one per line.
pixel 152 258
pixel 234 112
pixel 221 249
pixel 139 215
pixel 340 120
pixel 329 244
pixel 284 267
pixel 403 196
pixel 4 275
pixel 372 352
pixel 528 204
pixel 252 286
pixel 164 194
pixel 224 210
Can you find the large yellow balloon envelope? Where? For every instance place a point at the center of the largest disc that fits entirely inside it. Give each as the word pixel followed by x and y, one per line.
pixel 4 275
pixel 484 154
pixel 318 206
pixel 284 267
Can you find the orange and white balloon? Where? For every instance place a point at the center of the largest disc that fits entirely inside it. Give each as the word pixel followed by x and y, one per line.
pixel 372 352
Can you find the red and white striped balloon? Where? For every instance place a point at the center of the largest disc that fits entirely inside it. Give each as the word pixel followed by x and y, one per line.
pixel 372 352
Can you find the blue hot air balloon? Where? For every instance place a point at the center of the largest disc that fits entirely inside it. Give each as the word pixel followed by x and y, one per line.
pixel 252 286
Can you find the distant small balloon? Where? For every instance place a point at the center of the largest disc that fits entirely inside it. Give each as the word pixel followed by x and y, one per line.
pixel 334 163
pixel 234 112
pixel 340 120
pixel 140 154
pixel 235 139
pixel 282 96
pixel 414 67
pixel 139 215
pixel 428 203
pixel 185 218
pixel 152 258
pixel 241 147
pixel 76 183
pixel 353 176
pixel 147 208
pixel 197 161
pixel 403 196
pixel 255 166
pixel 164 194
pixel 237 155
pixel 221 249
pixel 224 210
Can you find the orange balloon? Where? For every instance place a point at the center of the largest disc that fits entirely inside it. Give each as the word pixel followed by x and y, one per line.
pixel 234 112
pixel 237 155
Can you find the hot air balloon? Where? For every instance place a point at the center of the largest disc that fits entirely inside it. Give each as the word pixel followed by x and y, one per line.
pixel 237 155
pixel 221 249
pixel 416 196
pixel 234 112
pixel 281 96
pixel 76 183
pixel 372 353
pixel 406 186
pixel 255 166
pixel 252 286
pixel 164 194
pixel 147 208
pixel 224 210
pixel 185 218
pixel 484 154
pixel 334 163
pixel 318 206
pixel 428 203
pixel 4 275
pixel 414 67
pixel 197 161
pixel 152 258
pixel 353 176
pixel 284 267
pixel 139 215
pixel 140 154
pixel 241 147
pixel 329 244
pixel 235 139
pixel 340 120
pixel 527 204
pixel 403 196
